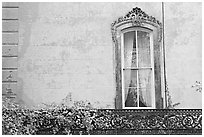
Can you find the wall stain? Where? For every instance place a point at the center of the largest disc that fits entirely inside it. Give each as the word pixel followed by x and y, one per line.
pixel 25 25
pixel 21 97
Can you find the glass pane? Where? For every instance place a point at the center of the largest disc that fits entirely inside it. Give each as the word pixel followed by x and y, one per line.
pixel 143 39
pixel 130 78
pixel 145 85
pixel 130 55
pixel 131 97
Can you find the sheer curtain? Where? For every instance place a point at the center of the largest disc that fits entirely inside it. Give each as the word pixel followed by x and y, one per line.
pixel 130 76
pixel 145 76
pixel 143 63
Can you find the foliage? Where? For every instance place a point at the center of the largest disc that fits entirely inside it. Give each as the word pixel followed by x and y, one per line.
pixel 59 119
pixel 198 86
pixel 170 104
pixel 64 120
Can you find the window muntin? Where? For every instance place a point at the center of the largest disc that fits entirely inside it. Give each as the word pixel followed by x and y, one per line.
pixel 137 68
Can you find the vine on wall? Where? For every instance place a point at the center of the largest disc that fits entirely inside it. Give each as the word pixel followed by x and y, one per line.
pixel 197 86
pixel 170 104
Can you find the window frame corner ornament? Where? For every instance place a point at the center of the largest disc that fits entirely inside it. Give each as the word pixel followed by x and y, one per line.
pixel 160 33
pixel 113 31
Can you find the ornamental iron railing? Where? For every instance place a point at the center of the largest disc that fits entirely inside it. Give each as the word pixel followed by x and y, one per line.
pixel 63 121
pixel 143 122
pixel 151 121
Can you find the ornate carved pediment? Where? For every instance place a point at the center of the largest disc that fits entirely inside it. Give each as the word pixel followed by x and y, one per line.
pixel 137 17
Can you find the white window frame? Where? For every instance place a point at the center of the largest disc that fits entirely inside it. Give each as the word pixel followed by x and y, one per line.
pixel 152 66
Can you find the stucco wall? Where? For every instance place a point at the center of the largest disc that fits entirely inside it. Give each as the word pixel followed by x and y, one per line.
pixel 183 36
pixel 66 49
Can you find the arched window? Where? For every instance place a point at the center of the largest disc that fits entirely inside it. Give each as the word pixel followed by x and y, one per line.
pixel 137 43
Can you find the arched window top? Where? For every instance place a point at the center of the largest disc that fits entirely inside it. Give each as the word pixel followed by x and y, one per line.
pixel 136 28
pixel 136 18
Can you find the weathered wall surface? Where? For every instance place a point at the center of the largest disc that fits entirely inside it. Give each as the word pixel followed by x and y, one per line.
pixel 66 49
pixel 9 49
pixel 183 35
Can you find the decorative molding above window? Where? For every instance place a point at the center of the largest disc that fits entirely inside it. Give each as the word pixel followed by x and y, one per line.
pixel 136 17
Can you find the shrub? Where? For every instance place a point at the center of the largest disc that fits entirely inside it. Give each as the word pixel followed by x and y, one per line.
pixel 61 119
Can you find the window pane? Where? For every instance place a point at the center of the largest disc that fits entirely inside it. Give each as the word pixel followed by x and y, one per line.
pixel 143 39
pixel 130 78
pixel 130 55
pixel 131 97
pixel 145 80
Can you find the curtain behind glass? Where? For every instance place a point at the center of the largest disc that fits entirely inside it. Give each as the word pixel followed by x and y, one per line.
pixel 143 71
pixel 144 60
pixel 130 76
